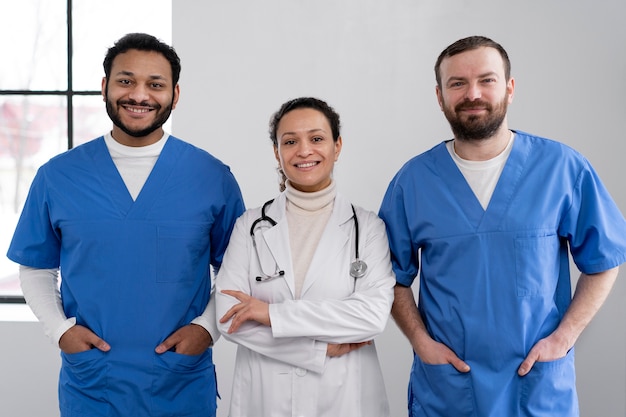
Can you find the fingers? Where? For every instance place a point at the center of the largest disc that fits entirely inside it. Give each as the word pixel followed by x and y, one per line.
pixel 459 365
pixel 100 344
pixel 241 296
pixel 79 339
pixel 333 350
pixel 528 364
pixel 165 346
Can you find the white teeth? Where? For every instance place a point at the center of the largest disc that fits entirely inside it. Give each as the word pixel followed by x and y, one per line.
pixel 137 110
pixel 307 165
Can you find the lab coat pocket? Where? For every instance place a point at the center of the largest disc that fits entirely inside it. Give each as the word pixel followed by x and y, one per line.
pixel 440 390
pixel 549 389
pixel 178 249
pixel 184 385
pixel 84 375
pixel 536 264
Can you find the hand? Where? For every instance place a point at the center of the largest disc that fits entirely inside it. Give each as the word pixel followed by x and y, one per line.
pixel 79 339
pixel 435 353
pixel 191 339
pixel 343 348
pixel 545 350
pixel 249 308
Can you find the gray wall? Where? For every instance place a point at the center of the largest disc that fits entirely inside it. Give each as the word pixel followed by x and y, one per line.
pixel 372 60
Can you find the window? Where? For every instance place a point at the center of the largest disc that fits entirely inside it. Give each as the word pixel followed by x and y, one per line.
pixel 50 97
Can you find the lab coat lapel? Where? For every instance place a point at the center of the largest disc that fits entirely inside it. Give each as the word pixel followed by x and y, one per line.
pixel 330 249
pixel 276 240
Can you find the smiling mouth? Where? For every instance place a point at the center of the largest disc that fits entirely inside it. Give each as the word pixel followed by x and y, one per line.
pixel 138 110
pixel 307 165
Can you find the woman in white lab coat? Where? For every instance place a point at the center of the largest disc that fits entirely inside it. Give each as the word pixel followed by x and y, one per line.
pixel 297 293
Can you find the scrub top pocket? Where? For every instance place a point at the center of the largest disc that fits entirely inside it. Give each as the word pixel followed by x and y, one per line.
pixel 178 249
pixel 536 263
pixel 440 387
pixel 183 384
pixel 84 374
pixel 550 386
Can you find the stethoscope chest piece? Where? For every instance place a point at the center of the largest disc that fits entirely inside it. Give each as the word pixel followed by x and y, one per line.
pixel 358 268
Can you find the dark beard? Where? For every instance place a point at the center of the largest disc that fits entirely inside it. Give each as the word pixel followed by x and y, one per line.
pixel 162 115
pixel 476 127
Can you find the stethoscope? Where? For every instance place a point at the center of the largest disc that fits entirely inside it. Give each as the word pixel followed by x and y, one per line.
pixel 357 267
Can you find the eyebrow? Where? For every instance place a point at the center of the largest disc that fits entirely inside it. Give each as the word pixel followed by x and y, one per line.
pixel 483 75
pixel 132 74
pixel 308 131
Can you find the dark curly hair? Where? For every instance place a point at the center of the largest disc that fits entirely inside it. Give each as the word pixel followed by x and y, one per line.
pixel 142 42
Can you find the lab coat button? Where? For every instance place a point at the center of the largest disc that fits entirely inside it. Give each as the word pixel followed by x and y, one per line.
pixel 300 372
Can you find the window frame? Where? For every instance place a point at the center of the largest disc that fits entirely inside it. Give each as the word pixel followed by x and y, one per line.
pixel 69 93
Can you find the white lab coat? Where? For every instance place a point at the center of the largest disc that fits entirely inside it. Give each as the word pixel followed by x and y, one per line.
pixel 283 370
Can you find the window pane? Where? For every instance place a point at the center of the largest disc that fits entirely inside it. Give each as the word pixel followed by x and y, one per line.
pixel 90 119
pixel 33 129
pixel 33 47
pixel 98 24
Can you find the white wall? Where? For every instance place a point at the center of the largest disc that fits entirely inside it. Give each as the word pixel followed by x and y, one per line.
pixel 373 61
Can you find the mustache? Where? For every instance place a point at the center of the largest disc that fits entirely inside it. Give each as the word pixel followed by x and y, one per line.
pixel 472 105
pixel 135 103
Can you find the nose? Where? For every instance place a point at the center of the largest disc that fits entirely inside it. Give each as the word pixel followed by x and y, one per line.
pixel 473 92
pixel 139 94
pixel 304 148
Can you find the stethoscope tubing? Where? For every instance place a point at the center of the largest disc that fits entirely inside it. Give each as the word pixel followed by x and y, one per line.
pixel 357 267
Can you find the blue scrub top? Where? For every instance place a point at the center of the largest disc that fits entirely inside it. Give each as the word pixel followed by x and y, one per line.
pixel 494 282
pixel 132 271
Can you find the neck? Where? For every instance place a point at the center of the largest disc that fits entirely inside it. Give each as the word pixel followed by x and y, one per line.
pixel 125 139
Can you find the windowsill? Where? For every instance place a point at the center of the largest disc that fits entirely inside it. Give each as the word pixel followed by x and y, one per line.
pixel 16 313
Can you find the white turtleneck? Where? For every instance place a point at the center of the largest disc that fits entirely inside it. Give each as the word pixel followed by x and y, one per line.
pixel 307 216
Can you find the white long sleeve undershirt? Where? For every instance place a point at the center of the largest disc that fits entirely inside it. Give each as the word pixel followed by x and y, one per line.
pixel 40 286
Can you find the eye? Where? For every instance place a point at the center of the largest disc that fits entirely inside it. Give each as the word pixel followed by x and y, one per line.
pixel 489 80
pixel 124 81
pixel 456 84
pixel 288 142
pixel 317 139
pixel 157 85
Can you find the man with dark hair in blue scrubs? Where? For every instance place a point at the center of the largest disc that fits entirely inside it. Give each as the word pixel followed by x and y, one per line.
pixel 133 220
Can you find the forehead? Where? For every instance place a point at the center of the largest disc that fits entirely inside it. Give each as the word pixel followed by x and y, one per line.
pixel 303 119
pixel 475 62
pixel 142 63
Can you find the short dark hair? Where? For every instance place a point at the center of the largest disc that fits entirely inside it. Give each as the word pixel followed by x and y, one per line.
pixel 142 42
pixel 305 103
pixel 468 44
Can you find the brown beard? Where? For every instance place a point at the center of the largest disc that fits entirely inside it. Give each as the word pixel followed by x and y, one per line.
pixel 476 127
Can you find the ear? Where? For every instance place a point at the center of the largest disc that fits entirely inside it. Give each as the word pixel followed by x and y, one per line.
pixel 439 97
pixel 510 89
pixel 176 95
pixel 338 146
pixel 276 154
pixel 104 88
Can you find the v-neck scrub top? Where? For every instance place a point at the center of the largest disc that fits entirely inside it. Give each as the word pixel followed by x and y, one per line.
pixel 132 271
pixel 494 282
